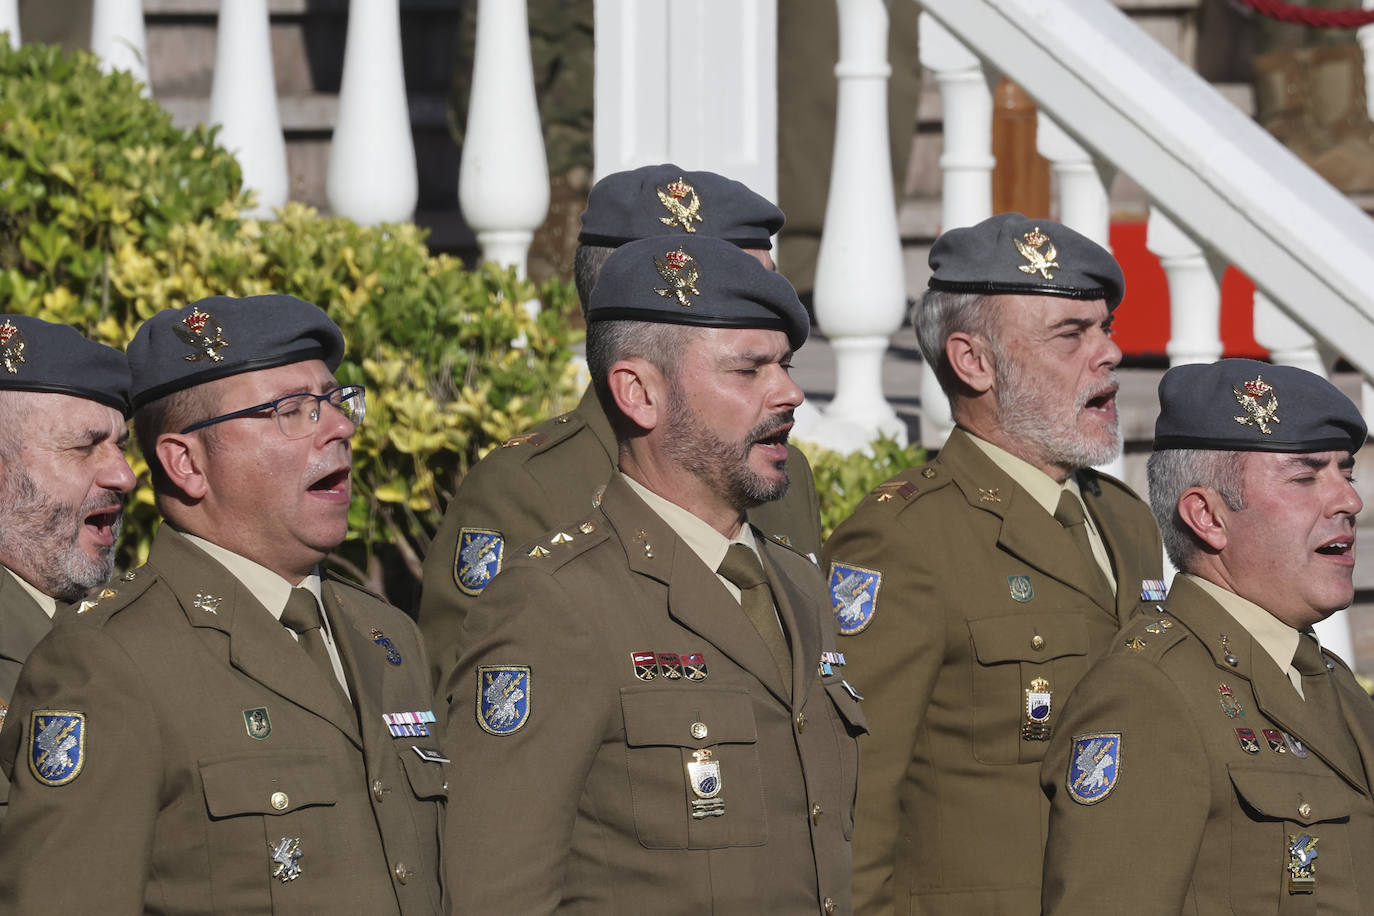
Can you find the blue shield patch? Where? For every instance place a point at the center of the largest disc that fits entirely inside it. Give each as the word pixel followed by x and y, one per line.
pixel 1094 767
pixel 503 698
pixel 854 595
pixel 477 559
pixel 57 745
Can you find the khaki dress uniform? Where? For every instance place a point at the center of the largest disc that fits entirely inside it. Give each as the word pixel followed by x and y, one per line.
pixel 551 475
pixel 968 605
pixel 1219 770
pixel 197 751
pixel 602 665
pixel 22 624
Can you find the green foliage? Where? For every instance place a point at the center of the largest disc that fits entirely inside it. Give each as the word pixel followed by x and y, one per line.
pixel 844 480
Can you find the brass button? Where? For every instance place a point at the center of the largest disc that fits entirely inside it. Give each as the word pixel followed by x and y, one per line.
pixel 828 904
pixel 699 730
pixel 1037 642
pixel 927 473
pixel 801 721
pixel 279 800
pixel 1305 809
pixel 815 814
pixel 402 873
pixel 377 789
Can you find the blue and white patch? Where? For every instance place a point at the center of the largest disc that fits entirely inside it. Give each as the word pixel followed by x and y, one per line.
pixel 57 745
pixel 1094 767
pixel 503 698
pixel 477 559
pixel 854 594
pixel 1153 590
pixel 1021 588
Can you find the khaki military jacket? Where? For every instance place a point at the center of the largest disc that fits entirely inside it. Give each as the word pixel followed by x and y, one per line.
pixel 551 475
pixel 22 624
pixel 978 595
pixel 573 781
pixel 186 748
pixel 1218 769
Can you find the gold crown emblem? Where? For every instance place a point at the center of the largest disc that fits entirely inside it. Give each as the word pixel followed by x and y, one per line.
pixel 679 189
pixel 678 259
pixel 1258 388
pixel 1035 238
pixel 7 331
pixel 196 321
pixel 204 334
pixel 678 269
pixel 11 347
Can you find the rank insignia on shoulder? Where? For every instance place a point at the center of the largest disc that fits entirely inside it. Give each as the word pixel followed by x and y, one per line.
pixel 478 559
pixel 393 655
pixel 885 491
pixel 57 745
pixel 1153 590
pixel 1021 588
pixel 694 666
pixel 854 596
pixel 503 698
pixel 257 723
pixel 524 439
pixel 1248 742
pixel 1094 766
pixel 409 724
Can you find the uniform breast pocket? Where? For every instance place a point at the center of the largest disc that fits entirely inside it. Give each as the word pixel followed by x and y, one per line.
pixel 693 765
pixel 849 723
pixel 1024 666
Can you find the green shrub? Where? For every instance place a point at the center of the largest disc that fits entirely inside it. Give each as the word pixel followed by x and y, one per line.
pixel 842 481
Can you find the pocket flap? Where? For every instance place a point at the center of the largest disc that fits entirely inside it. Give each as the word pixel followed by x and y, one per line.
pixel 1284 794
pixel 1015 637
pixel 428 779
pixel 850 709
pixel 654 716
pixel 274 783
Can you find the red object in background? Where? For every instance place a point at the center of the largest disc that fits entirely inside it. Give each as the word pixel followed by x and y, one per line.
pixel 1142 321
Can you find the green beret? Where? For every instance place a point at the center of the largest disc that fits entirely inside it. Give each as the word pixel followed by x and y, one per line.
pixel 222 336
pixel 1009 253
pixel 664 200
pixel 37 355
pixel 1242 405
pixel 696 280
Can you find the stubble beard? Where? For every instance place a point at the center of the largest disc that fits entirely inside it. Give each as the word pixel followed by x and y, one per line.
pixel 43 537
pixel 724 465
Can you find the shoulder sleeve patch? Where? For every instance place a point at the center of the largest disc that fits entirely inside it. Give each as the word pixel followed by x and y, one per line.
pixel 477 559
pixel 57 745
pixel 1094 767
pixel 854 596
pixel 503 698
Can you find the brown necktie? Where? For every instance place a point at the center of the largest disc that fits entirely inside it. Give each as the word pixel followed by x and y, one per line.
pixel 1321 700
pixel 1069 514
pixel 302 617
pixel 741 566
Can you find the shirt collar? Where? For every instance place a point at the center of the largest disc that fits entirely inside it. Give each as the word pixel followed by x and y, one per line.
pixel 265 585
pixel 706 542
pixel 1278 639
pixel 47 602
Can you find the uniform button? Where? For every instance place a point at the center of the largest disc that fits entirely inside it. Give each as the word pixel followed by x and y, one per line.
pixel 801 721
pixel 828 904
pixel 1037 642
pixel 402 873
pixel 699 730
pixel 1305 809
pixel 815 814
pixel 279 800
pixel 377 789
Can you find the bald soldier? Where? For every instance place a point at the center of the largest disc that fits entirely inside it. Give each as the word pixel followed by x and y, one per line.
pixel 227 729
pixel 647 703
pixel 1217 734
pixel 972 592
pixel 557 471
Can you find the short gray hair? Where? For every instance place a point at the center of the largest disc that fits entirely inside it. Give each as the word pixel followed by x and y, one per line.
pixel 1170 472
pixel 942 313
pixel 608 342
pixel 172 413
pixel 587 264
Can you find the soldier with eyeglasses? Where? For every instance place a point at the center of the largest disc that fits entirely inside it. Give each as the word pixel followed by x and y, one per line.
pixel 226 728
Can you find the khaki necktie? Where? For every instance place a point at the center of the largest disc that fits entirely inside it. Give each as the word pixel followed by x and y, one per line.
pixel 1321 700
pixel 741 566
pixel 302 617
pixel 1069 514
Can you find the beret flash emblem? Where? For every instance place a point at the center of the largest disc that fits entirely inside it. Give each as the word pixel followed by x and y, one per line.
pixel 1258 415
pixel 1040 262
pixel 682 201
pixel 201 331
pixel 11 347
pixel 679 270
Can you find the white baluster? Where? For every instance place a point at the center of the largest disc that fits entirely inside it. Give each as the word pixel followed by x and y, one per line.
pixel 503 180
pixel 1194 294
pixel 967 163
pixel 860 294
pixel 372 175
pixel 119 39
pixel 1288 344
pixel 1365 36
pixel 243 101
pixel 9 20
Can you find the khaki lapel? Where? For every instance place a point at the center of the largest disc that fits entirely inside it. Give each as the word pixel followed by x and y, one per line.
pixel 259 646
pixel 799 615
pixel 22 622
pixel 1358 710
pixel 364 664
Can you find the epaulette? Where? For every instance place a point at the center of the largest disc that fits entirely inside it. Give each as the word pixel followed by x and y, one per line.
pixel 1151 634
pixel 543 437
pixel 113 597
pixel 556 548
pixel 896 493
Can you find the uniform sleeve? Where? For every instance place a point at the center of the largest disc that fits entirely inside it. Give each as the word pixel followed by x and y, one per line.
pixel 1129 850
pixel 83 846
pixel 894 662
pixel 515 797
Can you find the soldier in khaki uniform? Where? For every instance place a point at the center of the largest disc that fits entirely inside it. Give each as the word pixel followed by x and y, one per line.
pixel 199 738
pixel 970 594
pixel 556 472
pixel 648 703
pixel 1216 734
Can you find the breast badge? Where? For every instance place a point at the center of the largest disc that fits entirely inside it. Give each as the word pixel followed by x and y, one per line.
pixel 1229 704
pixel 1248 742
pixel 854 595
pixel 393 655
pixel 409 724
pixel 1037 725
pixel 57 745
pixel 645 664
pixel 694 666
pixel 1302 864
pixel 257 723
pixel 1094 767
pixel 503 698
pixel 1275 739
pixel 286 858
pixel 703 775
pixel 1020 588
pixel 477 560
pixel 670 666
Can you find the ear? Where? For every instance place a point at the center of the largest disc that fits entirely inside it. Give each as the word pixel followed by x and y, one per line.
pixel 640 391
pixel 183 460
pixel 1204 512
pixel 970 358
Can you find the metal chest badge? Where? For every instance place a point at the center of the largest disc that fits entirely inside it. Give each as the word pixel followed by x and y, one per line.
pixel 1021 588
pixel 1040 261
pixel 1302 864
pixel 1229 704
pixel 679 270
pixel 670 666
pixel 478 559
pixel 11 347
pixel 203 332
pixel 503 698
pixel 1248 742
pixel 1275 739
pixel 1037 725
pixel 703 775
pixel 1258 415
pixel 682 201
pixel 257 722
pixel 57 745
pixel 694 666
pixel 286 858
pixel 1094 767
pixel 393 655
pixel 646 665
pixel 854 596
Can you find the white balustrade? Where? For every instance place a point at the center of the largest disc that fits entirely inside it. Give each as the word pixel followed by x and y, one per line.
pixel 860 290
pixel 119 39
pixel 1288 344
pixel 1080 179
pixel 1194 293
pixel 372 175
pixel 9 20
pixel 1364 35
pixel 503 180
pixel 243 101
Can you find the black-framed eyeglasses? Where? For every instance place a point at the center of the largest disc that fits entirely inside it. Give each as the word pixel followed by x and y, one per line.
pixel 297 415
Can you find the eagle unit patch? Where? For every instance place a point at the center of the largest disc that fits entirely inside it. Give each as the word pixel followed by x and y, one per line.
pixel 477 559
pixel 57 745
pixel 503 698
pixel 1094 766
pixel 854 595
